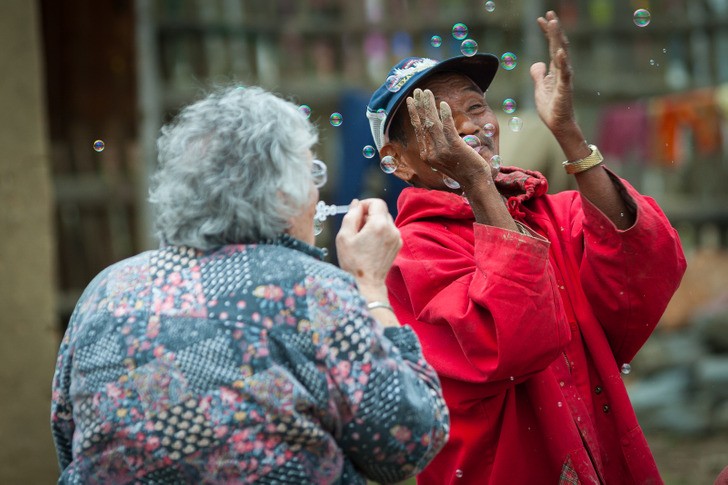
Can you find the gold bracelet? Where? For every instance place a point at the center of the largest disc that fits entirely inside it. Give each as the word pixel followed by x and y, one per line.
pixel 379 304
pixel 578 166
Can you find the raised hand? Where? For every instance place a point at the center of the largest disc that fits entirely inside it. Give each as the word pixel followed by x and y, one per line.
pixel 554 88
pixel 438 140
pixel 367 244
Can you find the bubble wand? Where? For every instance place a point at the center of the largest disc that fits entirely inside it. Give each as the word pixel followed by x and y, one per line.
pixel 324 210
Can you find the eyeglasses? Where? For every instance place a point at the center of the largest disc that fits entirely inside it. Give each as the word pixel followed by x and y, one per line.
pixel 319 172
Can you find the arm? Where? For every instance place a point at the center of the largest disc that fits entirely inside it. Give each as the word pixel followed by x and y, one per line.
pixel 632 261
pixel 554 103
pixel 629 275
pixel 366 245
pixel 395 418
pixel 489 314
pixel 392 418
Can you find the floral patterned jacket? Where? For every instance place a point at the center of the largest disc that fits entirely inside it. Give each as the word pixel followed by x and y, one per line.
pixel 249 363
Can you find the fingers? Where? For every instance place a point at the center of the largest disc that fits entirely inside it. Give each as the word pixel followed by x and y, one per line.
pixel 538 72
pixel 417 124
pixel 353 219
pixel 425 120
pixel 563 65
pixel 427 110
pixel 551 28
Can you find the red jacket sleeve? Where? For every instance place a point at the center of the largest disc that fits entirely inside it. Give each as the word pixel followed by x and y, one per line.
pixel 487 312
pixel 629 275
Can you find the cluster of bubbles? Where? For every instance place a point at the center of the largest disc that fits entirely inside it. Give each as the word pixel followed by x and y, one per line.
pixel 489 6
pixel 469 47
pixel 508 61
pixel 509 106
pixel 99 145
pixel 641 17
pixel 336 119
pixel 459 31
pixel 515 124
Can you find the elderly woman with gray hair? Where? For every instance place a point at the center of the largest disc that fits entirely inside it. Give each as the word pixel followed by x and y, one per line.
pixel 234 353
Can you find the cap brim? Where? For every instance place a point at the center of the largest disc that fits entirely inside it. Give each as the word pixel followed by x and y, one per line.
pixel 481 68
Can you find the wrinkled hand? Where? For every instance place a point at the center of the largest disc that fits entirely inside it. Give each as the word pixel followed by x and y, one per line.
pixel 367 244
pixel 440 145
pixel 554 89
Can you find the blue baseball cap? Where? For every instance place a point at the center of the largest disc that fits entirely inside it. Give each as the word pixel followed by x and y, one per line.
pixel 408 73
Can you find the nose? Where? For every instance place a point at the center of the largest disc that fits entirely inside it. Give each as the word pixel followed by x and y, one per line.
pixel 465 125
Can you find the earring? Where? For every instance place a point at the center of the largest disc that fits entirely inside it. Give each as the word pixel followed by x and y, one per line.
pixel 388 164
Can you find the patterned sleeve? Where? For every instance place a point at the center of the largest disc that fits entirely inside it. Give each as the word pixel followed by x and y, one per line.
pixel 62 425
pixel 392 416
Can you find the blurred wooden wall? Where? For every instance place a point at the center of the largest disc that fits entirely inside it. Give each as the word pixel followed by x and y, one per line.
pixel 91 92
pixel 29 337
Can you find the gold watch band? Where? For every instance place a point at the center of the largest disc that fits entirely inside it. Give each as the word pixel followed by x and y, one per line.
pixel 578 166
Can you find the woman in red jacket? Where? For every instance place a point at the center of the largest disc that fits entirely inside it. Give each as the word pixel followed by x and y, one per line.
pixel 528 305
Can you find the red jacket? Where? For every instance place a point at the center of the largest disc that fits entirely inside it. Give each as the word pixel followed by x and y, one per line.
pixel 528 333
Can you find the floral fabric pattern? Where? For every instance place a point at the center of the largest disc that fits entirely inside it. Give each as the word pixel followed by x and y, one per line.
pixel 247 364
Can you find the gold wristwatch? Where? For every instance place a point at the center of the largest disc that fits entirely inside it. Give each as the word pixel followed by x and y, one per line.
pixel 585 163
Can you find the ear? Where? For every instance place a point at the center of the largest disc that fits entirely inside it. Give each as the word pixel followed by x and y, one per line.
pixel 395 150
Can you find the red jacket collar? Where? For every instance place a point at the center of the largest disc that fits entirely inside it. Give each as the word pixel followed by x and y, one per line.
pixel 516 184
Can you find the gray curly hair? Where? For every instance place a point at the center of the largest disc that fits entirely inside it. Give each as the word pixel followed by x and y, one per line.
pixel 232 168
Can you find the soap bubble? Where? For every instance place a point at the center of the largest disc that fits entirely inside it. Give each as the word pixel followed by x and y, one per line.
pixel 452 183
pixel 336 119
pixel 387 164
pixel 436 41
pixel 509 61
pixel 515 124
pixel 509 105
pixel 392 83
pixel 306 110
pixel 459 473
pixel 99 145
pixel 368 151
pixel 496 162
pixel 318 227
pixel 626 369
pixel 472 141
pixel 459 31
pixel 469 47
pixel 489 6
pixel 641 17
pixel 489 129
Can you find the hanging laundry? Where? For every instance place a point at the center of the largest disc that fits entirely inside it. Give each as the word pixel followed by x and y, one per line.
pixel 686 125
pixel 624 133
